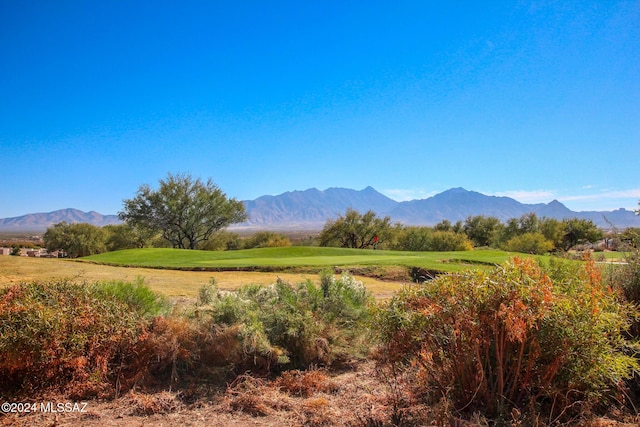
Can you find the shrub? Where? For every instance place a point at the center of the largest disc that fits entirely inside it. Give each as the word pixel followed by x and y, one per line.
pixel 427 239
pixel 62 334
pixel 529 243
pixel 449 241
pixel 266 239
pixel 412 239
pixel 511 337
pixel 296 326
pixel 625 278
pixel 221 241
pixel 77 240
pixel 136 295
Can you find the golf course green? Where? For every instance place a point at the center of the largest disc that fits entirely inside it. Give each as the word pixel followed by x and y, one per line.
pixel 297 257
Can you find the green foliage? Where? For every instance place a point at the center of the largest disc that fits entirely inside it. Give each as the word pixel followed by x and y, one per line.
pixel 207 292
pixel 578 231
pixel 563 235
pixel 481 230
pixel 296 326
pixel 136 295
pixel 298 256
pixel 514 336
pixel 125 236
pixel 442 241
pixel 529 243
pixel 427 239
pixel 445 225
pixel 77 240
pixel 411 238
pixel 630 238
pixel 61 334
pixel 629 276
pixel 625 278
pixel 221 240
pixel 356 230
pixel 266 239
pixel 185 211
pixel 553 230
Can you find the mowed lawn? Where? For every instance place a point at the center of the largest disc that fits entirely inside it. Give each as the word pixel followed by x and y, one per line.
pixel 297 256
pixel 180 273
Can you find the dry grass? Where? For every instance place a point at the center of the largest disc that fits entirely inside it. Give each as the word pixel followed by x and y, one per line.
pixel 163 402
pixel 172 283
pixel 358 398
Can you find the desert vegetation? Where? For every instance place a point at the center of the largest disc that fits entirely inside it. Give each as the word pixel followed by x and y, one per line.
pixel 519 339
pixel 476 334
pixel 361 231
pixel 527 342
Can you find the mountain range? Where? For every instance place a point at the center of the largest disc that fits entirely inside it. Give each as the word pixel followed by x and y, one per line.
pixel 310 209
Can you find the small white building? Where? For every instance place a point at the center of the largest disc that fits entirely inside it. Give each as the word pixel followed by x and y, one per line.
pixel 5 251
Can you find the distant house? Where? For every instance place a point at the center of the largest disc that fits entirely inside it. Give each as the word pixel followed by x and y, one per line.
pixel 55 254
pixel 33 253
pixel 6 251
pixel 41 253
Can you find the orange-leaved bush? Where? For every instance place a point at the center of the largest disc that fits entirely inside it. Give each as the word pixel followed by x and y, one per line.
pixel 70 336
pixel 511 337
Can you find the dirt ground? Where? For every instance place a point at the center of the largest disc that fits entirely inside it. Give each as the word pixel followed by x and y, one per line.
pixel 350 398
pixel 356 396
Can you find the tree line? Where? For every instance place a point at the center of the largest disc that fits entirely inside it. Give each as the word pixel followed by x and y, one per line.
pixel 188 213
pixel 527 234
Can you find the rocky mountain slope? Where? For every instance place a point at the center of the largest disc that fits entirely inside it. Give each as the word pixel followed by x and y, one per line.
pixel 310 209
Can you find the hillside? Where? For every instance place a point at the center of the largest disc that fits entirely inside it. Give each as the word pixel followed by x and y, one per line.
pixel 310 209
pixel 38 222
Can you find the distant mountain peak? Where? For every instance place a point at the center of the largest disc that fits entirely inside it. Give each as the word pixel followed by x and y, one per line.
pixel 458 190
pixel 310 209
pixel 42 221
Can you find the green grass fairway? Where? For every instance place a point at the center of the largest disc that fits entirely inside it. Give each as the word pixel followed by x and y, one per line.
pixel 296 257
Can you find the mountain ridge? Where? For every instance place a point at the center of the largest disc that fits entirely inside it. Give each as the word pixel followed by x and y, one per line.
pixel 310 209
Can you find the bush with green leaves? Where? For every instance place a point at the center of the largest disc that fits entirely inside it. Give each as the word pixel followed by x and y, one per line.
pixel 529 243
pixel 517 336
pixel 428 239
pixel 625 278
pixel 136 295
pixel 62 334
pixel 295 326
pixel 266 239
pixel 77 240
pixel 221 240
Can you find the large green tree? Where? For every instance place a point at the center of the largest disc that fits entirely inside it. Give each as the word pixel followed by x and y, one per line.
pixel 356 230
pixel 578 230
pixel 124 236
pixel 77 240
pixel 186 211
pixel 482 230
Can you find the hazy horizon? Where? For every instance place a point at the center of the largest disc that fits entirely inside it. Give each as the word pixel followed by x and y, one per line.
pixel 399 201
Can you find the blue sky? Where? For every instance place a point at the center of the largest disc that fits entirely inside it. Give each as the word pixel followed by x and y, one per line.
pixel 536 100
